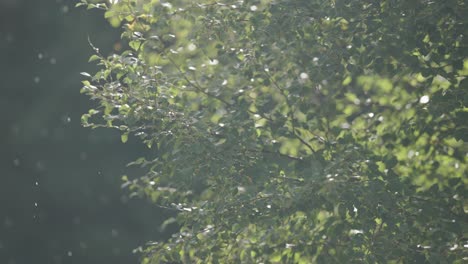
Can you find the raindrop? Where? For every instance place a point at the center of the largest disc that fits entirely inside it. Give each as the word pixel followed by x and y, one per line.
pixel 214 62
pixel 191 47
pixel 83 245
pixel 168 5
pixel 69 253
pixel 66 119
pixel 44 132
pixel 37 79
pixel 37 183
pixel 76 220
pixel 40 56
pixel 424 99
pixel 16 162
pixel 345 125
pixel 65 9
pixel 35 204
pixel 114 233
pixel 224 82
pixel 83 156
pixel 53 61
pixel 253 8
pixel 7 222
pixel 40 166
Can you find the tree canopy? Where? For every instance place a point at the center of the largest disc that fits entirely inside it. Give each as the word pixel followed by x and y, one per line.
pixel 303 131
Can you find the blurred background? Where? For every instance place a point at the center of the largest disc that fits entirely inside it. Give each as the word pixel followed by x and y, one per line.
pixel 60 184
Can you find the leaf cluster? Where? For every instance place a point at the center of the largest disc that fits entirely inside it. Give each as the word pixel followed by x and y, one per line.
pixel 304 131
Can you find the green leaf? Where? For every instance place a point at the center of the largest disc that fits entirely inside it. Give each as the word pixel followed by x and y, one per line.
pixel 124 137
pixel 94 58
pixel 135 44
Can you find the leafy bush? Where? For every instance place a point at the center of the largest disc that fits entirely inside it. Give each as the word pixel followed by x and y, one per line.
pixel 303 131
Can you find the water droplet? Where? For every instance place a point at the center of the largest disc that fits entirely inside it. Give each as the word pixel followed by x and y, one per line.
pixel 37 183
pixel 40 56
pixel 83 245
pixel 253 8
pixel 10 38
pixel 16 162
pixel 424 99
pixel 69 253
pixel 37 79
pixel 35 204
pixel 192 47
pixel 224 82
pixel 53 61
pixel 168 5
pixel 40 166
pixel 76 220
pixel 65 9
pixel 83 156
pixel 66 119
pixel 114 233
pixel 8 222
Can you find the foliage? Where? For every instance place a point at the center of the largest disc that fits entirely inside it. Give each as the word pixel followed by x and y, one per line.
pixel 295 131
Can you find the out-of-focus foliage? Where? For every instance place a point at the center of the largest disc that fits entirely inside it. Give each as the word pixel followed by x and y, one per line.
pixel 304 131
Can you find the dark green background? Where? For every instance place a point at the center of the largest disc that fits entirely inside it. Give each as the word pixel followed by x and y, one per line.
pixel 82 214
